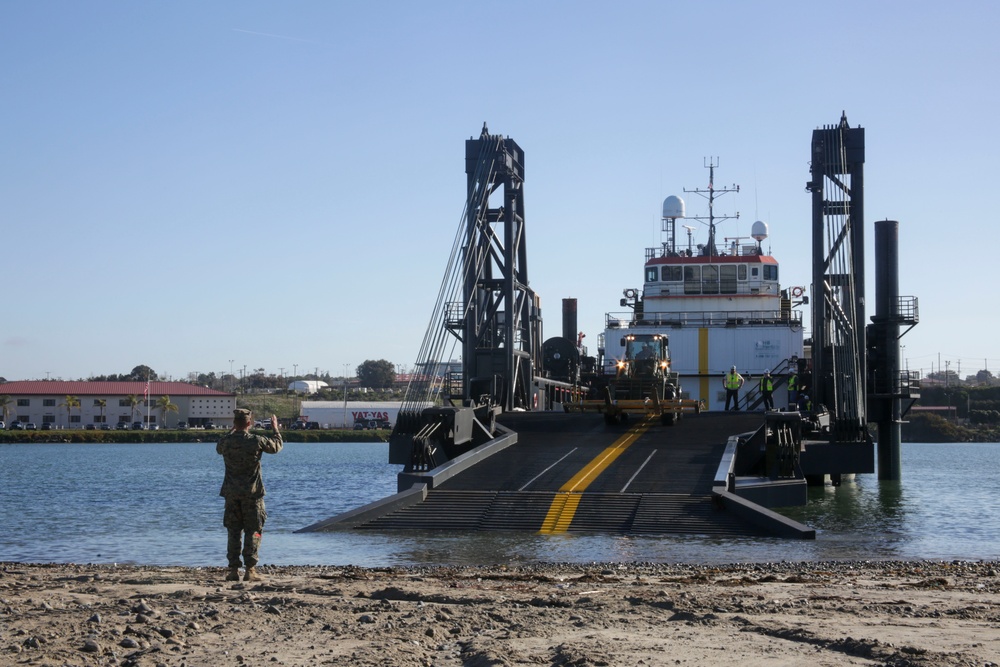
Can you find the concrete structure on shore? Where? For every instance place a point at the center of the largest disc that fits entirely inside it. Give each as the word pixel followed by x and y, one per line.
pixel 44 402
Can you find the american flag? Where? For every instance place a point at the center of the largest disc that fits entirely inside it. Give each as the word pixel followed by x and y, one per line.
pixel 146 391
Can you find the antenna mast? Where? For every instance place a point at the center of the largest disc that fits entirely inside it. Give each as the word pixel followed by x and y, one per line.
pixel 711 194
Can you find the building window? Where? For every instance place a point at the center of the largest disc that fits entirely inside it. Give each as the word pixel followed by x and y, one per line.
pixel 122 403
pixel 23 402
pixel 97 402
pixel 48 419
pixel 48 402
pixel 74 419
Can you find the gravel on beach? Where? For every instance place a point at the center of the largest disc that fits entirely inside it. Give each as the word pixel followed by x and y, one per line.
pixel 821 613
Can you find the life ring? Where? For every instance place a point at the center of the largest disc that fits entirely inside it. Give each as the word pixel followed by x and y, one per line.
pixel 797 292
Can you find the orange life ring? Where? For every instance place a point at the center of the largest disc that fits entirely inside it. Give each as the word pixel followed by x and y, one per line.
pixel 797 292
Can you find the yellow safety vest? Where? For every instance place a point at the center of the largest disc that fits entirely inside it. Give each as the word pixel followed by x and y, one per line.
pixel 732 380
pixel 791 382
pixel 766 384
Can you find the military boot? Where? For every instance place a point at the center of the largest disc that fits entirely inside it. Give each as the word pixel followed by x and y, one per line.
pixel 234 574
pixel 252 575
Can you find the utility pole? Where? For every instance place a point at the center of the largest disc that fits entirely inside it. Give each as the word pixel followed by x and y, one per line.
pixel 346 366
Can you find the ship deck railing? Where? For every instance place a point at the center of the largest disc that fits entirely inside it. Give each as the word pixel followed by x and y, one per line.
pixel 705 318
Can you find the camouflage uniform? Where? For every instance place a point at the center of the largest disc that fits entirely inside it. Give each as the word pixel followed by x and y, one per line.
pixel 243 489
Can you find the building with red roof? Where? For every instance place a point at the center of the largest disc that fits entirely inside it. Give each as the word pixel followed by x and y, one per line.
pixel 44 402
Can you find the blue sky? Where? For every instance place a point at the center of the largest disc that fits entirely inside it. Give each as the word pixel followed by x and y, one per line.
pixel 278 184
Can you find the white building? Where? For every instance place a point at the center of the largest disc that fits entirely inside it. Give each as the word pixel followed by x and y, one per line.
pixel 44 401
pixel 307 386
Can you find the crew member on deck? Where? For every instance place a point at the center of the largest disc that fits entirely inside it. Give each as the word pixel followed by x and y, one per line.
pixel 793 391
pixel 766 389
pixel 733 381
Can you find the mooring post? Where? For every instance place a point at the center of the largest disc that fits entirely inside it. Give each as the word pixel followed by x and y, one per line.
pixel 887 369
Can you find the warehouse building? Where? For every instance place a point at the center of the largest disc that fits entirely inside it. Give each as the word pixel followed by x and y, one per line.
pixel 44 402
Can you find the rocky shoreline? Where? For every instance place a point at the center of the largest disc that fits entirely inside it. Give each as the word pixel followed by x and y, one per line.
pixel 827 613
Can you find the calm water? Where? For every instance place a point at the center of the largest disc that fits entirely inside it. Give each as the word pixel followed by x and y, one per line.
pixel 159 504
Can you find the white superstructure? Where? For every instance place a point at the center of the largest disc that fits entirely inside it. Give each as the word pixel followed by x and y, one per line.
pixel 720 304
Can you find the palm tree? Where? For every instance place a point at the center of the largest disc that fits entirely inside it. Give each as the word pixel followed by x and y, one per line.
pixel 133 401
pixel 5 403
pixel 102 404
pixel 70 403
pixel 164 405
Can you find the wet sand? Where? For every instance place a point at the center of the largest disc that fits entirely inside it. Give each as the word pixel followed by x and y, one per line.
pixel 836 613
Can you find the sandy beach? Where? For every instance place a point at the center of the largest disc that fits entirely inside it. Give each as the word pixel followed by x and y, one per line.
pixel 836 613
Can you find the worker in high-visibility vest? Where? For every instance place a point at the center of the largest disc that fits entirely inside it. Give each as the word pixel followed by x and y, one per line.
pixel 766 389
pixel 793 391
pixel 733 381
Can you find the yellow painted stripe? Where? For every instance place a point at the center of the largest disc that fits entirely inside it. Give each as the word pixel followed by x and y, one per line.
pixel 703 365
pixel 567 499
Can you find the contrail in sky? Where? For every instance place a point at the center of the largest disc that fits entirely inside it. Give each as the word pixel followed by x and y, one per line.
pixel 266 34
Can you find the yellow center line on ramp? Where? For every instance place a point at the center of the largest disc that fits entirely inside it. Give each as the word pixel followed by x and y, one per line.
pixel 568 497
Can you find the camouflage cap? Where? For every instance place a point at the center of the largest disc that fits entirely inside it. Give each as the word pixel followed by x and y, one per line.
pixel 242 411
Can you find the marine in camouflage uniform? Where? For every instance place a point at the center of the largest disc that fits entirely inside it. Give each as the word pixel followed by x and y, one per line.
pixel 243 489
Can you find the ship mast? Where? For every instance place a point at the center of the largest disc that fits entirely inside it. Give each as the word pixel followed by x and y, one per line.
pixel 711 194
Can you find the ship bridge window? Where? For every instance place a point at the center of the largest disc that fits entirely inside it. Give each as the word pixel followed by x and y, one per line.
pixel 673 274
pixel 727 279
pixel 652 274
pixel 770 272
pixel 741 272
pixel 755 272
pixel 710 279
pixel 692 280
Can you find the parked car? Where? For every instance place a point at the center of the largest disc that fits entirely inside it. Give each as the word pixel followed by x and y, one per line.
pixel 209 426
pixel 30 426
pixel 90 427
pixel 182 426
pixel 16 425
pixel 47 426
pixel 2 426
pixel 138 426
pixel 122 426
pixel 105 427
pixel 154 427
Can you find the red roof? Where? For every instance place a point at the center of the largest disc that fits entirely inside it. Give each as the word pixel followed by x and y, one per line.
pixel 713 259
pixel 71 388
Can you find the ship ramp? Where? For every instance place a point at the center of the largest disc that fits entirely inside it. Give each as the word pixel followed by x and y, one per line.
pixel 554 473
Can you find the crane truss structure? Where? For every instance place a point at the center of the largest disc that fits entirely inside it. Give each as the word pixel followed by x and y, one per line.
pixel 838 280
pixel 485 305
pixel 498 320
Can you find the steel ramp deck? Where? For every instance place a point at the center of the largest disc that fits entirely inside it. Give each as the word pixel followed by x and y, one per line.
pixel 574 473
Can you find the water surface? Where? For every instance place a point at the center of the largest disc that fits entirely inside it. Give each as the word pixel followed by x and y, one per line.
pixel 159 504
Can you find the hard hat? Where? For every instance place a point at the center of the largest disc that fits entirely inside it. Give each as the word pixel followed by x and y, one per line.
pixel 733 368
